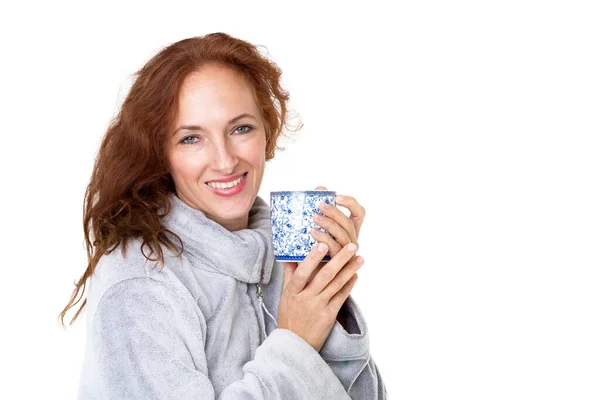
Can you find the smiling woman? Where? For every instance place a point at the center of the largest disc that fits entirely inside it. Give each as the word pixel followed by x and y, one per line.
pixel 183 162
pixel 218 152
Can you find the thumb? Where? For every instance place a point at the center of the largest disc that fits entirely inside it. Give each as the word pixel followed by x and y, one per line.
pixel 288 270
pixel 320 188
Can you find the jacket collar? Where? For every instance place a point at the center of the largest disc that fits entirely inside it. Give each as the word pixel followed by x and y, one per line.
pixel 243 255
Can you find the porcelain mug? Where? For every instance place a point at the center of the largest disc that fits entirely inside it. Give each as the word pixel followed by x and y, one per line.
pixel 292 220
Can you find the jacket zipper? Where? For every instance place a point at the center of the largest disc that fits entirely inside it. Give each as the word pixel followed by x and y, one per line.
pixel 259 292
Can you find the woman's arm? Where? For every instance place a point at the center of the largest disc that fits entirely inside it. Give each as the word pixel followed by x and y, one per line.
pixel 347 353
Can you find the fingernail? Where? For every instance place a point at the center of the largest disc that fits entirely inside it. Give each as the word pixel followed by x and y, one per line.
pixel 325 205
pixel 352 247
pixel 322 247
pixel 318 217
pixel 360 260
pixel 339 198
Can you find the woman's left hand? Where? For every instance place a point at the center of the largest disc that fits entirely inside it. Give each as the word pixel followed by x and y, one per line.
pixel 342 229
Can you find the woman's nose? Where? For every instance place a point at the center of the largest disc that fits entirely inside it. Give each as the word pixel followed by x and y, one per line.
pixel 223 157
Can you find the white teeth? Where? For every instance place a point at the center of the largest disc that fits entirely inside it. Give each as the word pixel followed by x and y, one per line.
pixel 225 185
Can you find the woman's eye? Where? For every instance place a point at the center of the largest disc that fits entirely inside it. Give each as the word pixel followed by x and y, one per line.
pixel 250 129
pixel 185 140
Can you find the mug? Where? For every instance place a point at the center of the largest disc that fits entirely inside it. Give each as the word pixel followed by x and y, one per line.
pixel 292 220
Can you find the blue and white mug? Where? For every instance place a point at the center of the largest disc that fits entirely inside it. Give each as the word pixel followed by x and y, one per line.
pixel 292 220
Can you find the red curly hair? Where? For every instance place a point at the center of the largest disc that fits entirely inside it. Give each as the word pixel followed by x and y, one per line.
pixel 129 189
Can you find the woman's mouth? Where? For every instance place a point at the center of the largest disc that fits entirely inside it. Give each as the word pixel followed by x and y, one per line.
pixel 229 188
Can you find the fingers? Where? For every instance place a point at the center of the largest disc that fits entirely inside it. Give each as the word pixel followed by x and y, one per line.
pixel 349 202
pixel 288 271
pixel 324 237
pixel 342 229
pixel 342 277
pixel 340 297
pixel 337 216
pixel 330 271
pixel 357 212
pixel 337 224
pixel 301 276
pixel 338 234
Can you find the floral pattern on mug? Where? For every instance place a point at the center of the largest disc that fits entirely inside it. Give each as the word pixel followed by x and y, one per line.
pixel 292 220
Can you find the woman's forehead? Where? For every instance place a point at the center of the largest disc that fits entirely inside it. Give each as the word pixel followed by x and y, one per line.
pixel 219 94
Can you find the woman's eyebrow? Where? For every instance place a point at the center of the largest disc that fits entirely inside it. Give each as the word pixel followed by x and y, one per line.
pixel 199 128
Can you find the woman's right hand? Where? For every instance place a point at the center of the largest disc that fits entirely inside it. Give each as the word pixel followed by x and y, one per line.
pixel 309 307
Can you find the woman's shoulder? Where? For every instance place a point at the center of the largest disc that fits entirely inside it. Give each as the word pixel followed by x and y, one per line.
pixel 127 260
pixel 127 265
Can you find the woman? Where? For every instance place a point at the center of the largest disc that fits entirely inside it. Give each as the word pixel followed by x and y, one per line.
pixel 182 163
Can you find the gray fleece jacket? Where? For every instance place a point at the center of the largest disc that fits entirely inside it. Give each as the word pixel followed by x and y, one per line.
pixel 205 326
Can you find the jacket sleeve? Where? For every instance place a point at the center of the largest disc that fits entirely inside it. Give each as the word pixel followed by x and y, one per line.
pixel 347 354
pixel 142 333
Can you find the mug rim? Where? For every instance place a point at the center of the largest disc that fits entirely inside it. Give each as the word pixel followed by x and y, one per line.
pixel 320 191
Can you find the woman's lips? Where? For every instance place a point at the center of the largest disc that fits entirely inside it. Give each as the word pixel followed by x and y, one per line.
pixel 232 191
pixel 227 180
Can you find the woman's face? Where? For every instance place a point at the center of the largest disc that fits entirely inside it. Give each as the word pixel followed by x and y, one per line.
pixel 208 145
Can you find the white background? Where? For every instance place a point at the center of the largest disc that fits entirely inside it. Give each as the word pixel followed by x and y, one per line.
pixel 469 130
